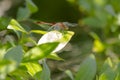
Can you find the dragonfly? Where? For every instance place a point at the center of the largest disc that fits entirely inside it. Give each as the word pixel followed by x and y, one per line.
pixel 58 25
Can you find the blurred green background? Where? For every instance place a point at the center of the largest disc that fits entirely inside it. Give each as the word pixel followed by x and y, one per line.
pixel 51 10
pixel 98 31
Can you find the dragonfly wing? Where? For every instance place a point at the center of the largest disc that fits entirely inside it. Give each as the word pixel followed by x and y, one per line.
pixel 70 24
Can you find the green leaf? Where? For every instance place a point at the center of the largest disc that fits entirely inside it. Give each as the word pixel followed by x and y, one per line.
pixel 94 35
pixel 10 61
pixel 69 73
pixel 10 40
pixel 87 69
pixel 92 22
pixel 45 75
pixel 31 6
pixel 98 46
pixel 54 56
pixel 118 72
pixel 107 72
pixel 41 51
pixel 38 31
pixel 118 68
pixel 4 23
pixel 107 64
pixel 33 68
pixel 107 75
pixel 86 5
pixel 4 62
pixel 109 8
pixel 20 73
pixel 15 54
pixel 117 77
pixel 2 52
pixel 16 26
pixel 23 14
pixel 99 2
pixel 6 66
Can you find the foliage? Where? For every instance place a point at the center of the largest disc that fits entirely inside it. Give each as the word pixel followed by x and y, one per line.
pixel 26 46
pixel 16 55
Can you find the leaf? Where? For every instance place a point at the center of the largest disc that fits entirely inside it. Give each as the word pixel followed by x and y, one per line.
pixel 10 61
pixel 98 46
pixel 23 14
pixel 45 75
pixel 10 40
pixel 92 22
pixel 107 75
pixel 5 68
pixel 2 52
pixel 33 68
pixel 107 64
pixel 4 23
pixel 31 6
pixel 109 8
pixel 38 31
pixel 94 35
pixel 87 69
pixel 117 77
pixel 99 2
pixel 69 73
pixel 85 5
pixel 41 51
pixel 57 36
pixel 16 26
pixel 15 54
pixel 118 72
pixel 20 73
pixel 54 56
pixel 107 72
